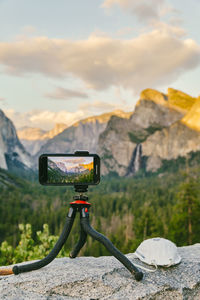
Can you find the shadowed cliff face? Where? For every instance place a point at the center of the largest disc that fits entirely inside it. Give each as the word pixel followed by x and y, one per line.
pixel 156 127
pixel 12 153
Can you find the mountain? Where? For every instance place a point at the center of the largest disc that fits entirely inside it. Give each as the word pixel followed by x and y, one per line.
pixel 57 167
pixel 163 127
pixel 12 153
pixel 62 166
pixel 33 138
pixel 82 135
pixel 30 133
pixel 157 130
pixel 192 118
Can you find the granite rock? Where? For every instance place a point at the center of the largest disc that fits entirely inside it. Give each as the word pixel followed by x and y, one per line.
pixel 106 278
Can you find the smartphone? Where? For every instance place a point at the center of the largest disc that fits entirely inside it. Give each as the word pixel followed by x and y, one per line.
pixel 69 169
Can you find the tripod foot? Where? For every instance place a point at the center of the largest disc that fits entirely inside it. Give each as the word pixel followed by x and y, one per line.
pixel 138 276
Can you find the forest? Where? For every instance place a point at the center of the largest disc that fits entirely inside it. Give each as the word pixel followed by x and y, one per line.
pixel 127 210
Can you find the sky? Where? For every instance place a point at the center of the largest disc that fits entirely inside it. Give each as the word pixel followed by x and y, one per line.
pixel 62 61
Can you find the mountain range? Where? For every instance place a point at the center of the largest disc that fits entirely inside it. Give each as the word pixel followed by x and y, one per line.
pixel 162 127
pixel 33 138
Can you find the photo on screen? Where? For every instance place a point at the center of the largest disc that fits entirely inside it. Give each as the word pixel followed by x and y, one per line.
pixel 63 169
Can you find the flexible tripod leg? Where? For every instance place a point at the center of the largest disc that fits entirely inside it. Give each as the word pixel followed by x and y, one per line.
pixel 80 244
pixel 54 252
pixel 109 246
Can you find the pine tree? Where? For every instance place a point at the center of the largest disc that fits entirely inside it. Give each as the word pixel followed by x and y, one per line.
pixel 185 226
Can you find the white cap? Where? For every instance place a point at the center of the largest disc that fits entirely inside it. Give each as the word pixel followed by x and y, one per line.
pixel 158 251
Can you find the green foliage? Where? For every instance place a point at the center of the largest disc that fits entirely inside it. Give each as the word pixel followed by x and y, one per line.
pixel 126 210
pixel 140 136
pixel 153 128
pixel 6 254
pixel 29 249
pixel 137 137
pixel 185 226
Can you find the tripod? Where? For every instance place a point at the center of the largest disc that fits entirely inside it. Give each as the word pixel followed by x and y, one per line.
pixel 80 205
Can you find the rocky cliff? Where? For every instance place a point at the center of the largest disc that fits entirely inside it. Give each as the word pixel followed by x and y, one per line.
pixel 157 130
pixel 82 135
pixel 12 153
pixel 106 278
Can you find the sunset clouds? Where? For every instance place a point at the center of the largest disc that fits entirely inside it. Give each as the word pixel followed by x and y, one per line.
pixel 44 118
pixel 152 59
pixel 60 62
pixel 65 94
pixel 144 10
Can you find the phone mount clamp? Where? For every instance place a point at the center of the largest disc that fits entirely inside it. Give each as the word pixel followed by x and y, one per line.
pixel 80 205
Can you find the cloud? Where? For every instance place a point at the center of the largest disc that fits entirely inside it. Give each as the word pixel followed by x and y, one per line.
pixel 102 106
pixel 97 106
pixel 74 160
pixel 44 119
pixel 124 31
pixel 174 30
pixel 152 59
pixel 144 10
pixel 65 94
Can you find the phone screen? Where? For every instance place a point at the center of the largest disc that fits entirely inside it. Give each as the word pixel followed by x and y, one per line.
pixel 69 169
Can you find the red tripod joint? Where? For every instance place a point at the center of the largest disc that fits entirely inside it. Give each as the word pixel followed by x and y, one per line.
pixel 80 202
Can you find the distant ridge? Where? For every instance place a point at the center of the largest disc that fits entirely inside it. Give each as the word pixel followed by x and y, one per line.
pixel 32 134
pixel 33 138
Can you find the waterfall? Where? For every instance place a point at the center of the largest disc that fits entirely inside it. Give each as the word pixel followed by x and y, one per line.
pixel 135 162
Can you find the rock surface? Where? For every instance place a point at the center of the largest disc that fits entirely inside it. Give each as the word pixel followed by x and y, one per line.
pixel 12 152
pixel 106 278
pixel 192 118
pixel 117 144
pixel 170 143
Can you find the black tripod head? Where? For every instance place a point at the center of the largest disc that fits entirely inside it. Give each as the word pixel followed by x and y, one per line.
pixel 81 188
